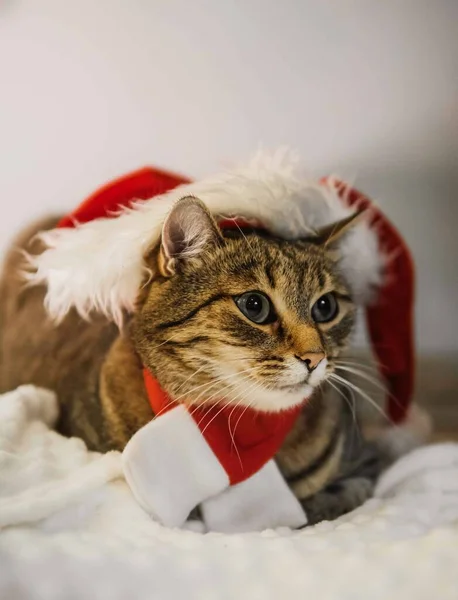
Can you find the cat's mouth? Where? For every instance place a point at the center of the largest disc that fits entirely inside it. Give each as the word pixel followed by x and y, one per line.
pixel 293 387
pixel 309 381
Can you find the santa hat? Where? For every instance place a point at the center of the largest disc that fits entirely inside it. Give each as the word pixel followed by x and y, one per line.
pixel 95 262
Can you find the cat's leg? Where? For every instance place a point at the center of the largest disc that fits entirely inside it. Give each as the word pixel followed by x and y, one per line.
pixel 353 486
pixel 337 499
pixel 333 468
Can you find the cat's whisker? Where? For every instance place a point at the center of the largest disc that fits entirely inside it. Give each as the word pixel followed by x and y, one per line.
pixel 191 377
pixel 232 433
pixel 354 363
pixel 241 415
pixel 377 383
pixel 236 383
pixel 353 399
pixel 245 376
pixel 172 337
pixel 223 406
pixel 211 384
pixel 219 380
pixel 248 406
pixel 235 359
pixel 164 408
pixel 350 404
pixel 196 407
pixel 371 366
pixel 347 400
pixel 243 235
pixel 362 394
pixel 358 373
pixel 255 383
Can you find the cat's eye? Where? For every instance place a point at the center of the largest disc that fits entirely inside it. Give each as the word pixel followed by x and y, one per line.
pixel 257 307
pixel 325 309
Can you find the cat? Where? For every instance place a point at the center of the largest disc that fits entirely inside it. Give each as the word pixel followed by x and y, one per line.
pixel 240 316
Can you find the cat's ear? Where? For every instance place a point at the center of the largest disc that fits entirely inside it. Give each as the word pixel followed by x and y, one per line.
pixel 188 230
pixel 330 235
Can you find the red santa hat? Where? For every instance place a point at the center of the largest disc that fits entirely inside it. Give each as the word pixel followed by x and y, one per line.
pixel 94 262
pixel 389 310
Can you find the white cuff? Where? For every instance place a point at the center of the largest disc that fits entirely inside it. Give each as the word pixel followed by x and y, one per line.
pixel 170 468
pixel 264 501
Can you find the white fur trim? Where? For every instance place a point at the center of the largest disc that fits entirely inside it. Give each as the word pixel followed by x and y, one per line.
pixel 263 501
pixel 99 265
pixel 170 468
pixel 398 440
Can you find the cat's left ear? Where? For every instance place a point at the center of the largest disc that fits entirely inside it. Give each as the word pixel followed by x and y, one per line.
pixel 330 235
pixel 188 230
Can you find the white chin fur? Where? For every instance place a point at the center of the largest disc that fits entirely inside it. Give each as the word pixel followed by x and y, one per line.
pixel 266 400
pixel 276 400
pixel 99 265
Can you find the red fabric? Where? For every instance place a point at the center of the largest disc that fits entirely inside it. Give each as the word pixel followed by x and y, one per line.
pixel 107 200
pixel 239 223
pixel 243 440
pixel 390 318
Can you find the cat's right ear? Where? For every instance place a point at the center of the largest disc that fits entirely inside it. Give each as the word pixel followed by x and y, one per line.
pixel 188 231
pixel 330 235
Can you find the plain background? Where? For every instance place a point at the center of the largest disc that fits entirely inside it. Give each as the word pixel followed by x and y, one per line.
pixel 367 89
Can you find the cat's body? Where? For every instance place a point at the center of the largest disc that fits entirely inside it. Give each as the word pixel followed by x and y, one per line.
pixel 97 372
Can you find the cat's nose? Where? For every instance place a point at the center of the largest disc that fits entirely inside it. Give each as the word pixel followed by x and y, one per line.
pixel 311 359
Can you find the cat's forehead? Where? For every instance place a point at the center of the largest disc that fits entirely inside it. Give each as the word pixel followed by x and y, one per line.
pixel 279 256
pixel 290 268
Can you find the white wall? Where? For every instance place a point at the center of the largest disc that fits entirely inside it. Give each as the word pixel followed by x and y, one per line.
pixel 90 89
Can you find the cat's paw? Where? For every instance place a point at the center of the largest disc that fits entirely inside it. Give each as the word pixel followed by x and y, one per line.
pixel 337 498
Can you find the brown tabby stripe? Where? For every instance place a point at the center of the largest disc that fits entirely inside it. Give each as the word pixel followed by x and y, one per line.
pixel 278 359
pixel 341 330
pixel 188 343
pixel 267 368
pixel 321 279
pixel 245 267
pixel 232 343
pixel 281 331
pixel 321 459
pixel 270 274
pixel 191 313
pixel 244 332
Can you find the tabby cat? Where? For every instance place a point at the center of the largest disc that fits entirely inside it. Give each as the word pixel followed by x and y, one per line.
pixel 236 316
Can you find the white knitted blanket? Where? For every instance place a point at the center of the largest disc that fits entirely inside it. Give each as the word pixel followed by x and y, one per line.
pixel 70 528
